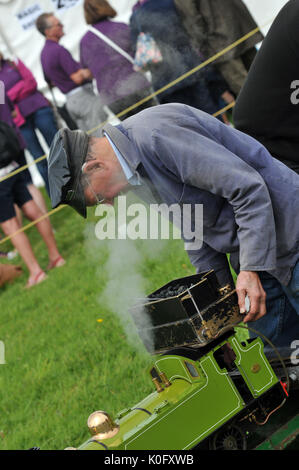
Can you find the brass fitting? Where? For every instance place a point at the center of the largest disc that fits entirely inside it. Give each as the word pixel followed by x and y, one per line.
pixel 157 384
pixel 165 380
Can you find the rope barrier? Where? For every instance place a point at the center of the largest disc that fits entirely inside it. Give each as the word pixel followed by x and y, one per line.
pixel 130 108
pixel 156 93
pixel 31 224
pixel 48 214
pixel 22 168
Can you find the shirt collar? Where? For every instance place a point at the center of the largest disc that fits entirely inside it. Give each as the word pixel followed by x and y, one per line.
pixel 131 177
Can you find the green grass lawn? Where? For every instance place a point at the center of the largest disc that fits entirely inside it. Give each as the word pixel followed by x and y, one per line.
pixel 69 345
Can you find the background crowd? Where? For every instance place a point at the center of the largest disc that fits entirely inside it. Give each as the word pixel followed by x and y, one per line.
pixel 119 66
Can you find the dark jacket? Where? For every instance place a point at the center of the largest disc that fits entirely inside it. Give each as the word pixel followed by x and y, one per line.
pixel 250 200
pixel 160 19
pixel 215 24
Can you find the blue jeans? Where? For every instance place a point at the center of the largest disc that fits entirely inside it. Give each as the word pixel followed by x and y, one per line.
pixel 281 322
pixel 43 119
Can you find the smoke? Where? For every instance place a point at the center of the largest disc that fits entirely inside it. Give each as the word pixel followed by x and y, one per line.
pixel 120 264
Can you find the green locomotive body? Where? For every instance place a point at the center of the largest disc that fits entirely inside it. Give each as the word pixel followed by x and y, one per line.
pixel 206 379
pixel 199 397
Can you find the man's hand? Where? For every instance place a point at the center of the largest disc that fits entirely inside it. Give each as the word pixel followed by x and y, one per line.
pixel 81 76
pixel 248 283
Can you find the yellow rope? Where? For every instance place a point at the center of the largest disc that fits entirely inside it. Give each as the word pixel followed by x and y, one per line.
pixel 182 77
pixel 152 95
pixel 31 224
pixel 156 93
pixel 22 168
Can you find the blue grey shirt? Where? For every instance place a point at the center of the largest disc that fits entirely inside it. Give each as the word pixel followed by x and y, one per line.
pixel 250 200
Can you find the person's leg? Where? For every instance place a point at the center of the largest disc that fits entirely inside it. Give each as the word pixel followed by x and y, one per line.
pixel 248 57
pixel 234 73
pixel 86 109
pixel 22 245
pixel 44 121
pixel 37 197
pixel 34 191
pixel 13 192
pixel 280 324
pixel 292 289
pixel 33 213
pixel 123 103
pixel 35 148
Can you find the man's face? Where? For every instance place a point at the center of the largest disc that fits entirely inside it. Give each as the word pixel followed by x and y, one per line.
pixel 55 28
pixel 106 180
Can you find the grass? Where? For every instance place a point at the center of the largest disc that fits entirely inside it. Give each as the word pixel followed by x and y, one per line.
pixel 67 349
pixel 69 343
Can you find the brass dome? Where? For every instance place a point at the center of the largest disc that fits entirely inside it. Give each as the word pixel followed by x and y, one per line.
pixel 101 426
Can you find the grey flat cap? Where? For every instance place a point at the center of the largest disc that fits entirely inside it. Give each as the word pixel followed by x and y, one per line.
pixel 67 155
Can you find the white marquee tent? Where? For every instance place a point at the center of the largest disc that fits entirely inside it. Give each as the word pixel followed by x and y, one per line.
pixel 18 35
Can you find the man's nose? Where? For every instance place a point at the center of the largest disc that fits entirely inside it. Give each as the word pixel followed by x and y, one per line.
pixel 110 202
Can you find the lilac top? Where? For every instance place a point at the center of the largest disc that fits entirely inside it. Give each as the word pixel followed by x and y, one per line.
pixel 113 73
pixel 10 76
pixel 58 64
pixel 5 115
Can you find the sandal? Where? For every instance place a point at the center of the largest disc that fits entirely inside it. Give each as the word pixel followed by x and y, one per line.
pixel 40 277
pixel 57 263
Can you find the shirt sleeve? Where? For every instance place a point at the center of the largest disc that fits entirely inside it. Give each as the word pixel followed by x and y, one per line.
pixel 83 51
pixel 67 63
pixel 206 259
pixel 198 160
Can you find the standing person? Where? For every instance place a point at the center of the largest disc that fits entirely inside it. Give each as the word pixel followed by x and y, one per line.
pixel 267 107
pixel 118 84
pixel 214 25
pixel 62 71
pixel 202 89
pixel 33 110
pixel 9 112
pixel 250 200
pixel 14 191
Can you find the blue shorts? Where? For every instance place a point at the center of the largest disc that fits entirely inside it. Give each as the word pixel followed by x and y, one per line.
pixel 13 190
pixel 21 160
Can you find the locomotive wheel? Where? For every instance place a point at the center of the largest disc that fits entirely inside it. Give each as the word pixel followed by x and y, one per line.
pixel 229 438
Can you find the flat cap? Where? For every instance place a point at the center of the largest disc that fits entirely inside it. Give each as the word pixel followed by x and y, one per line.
pixel 66 157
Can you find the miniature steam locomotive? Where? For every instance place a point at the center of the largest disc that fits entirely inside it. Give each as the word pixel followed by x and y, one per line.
pixel 208 384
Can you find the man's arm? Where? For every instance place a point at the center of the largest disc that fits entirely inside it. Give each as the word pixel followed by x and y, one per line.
pixel 81 76
pixel 206 259
pixel 248 283
pixel 77 74
pixel 200 161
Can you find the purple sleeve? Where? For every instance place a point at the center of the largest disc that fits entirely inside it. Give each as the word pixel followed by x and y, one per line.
pixel 82 54
pixel 67 63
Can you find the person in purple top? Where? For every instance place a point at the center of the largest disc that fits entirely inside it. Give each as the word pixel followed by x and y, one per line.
pixel 118 84
pixel 34 110
pixel 8 113
pixel 205 89
pixel 74 81
pixel 14 193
